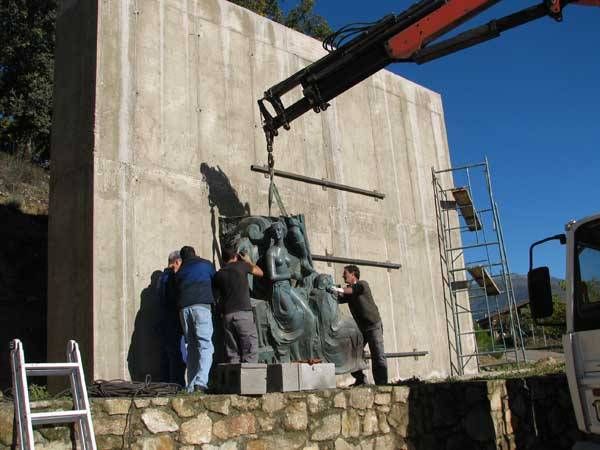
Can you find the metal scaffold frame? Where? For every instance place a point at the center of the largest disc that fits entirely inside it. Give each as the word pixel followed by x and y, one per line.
pixel 475 272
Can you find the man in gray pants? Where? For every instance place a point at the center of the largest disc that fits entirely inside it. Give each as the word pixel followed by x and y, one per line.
pixel 231 286
pixel 357 294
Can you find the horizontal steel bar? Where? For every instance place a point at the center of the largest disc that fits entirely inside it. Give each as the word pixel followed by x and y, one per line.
pixel 469 166
pixel 317 181
pixel 401 354
pixel 493 352
pixel 50 369
pixel 44 418
pixel 466 333
pixel 485 244
pixel 470 267
pixel 357 262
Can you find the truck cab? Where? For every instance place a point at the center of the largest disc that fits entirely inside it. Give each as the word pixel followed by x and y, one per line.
pixel 582 339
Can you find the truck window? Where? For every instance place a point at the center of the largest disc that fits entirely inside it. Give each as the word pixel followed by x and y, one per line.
pixel 587 277
pixel 589 267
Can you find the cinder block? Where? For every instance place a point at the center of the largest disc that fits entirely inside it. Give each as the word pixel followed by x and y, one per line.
pixel 243 378
pixel 282 377
pixel 316 376
pixel 300 377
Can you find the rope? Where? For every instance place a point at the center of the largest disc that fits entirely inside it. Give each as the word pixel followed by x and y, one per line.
pixel 122 388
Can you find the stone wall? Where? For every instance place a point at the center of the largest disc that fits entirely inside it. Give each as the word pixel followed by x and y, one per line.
pixel 155 128
pixel 523 414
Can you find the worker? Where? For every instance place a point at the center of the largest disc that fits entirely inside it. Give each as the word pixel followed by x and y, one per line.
pixel 357 294
pixel 172 363
pixel 193 282
pixel 232 288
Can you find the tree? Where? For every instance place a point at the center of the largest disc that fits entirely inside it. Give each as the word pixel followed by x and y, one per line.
pixel 27 29
pixel 27 33
pixel 301 18
pixel 559 316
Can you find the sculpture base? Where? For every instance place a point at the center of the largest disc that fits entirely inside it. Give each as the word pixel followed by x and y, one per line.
pixel 241 378
pixel 300 377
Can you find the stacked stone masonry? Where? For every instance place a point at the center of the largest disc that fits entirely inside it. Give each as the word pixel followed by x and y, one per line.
pixel 522 414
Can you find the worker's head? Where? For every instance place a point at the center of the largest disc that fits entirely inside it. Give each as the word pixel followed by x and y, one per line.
pixel 187 252
pixel 351 274
pixel 174 260
pixel 229 254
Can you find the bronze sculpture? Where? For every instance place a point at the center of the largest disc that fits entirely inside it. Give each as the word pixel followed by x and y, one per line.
pixel 297 319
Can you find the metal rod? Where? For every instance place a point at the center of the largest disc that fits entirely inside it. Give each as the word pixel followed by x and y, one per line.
pixel 358 262
pixel 416 354
pixel 454 169
pixel 318 182
pixel 485 244
pixel 470 267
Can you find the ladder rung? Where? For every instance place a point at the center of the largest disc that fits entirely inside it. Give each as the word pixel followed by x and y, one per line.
pixel 50 369
pixel 43 418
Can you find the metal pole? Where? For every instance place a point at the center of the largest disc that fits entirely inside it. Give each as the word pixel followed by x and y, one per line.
pixel 358 262
pixel 318 182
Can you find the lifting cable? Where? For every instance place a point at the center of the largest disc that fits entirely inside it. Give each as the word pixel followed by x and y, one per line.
pixel 273 191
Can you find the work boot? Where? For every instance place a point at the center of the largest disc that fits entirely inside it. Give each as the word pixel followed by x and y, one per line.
pixel 200 389
pixel 359 376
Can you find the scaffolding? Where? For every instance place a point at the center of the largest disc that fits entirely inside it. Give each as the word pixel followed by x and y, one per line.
pixel 481 313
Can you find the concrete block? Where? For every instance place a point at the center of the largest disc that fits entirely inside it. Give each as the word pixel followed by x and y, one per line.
pixel 243 378
pixel 283 377
pixel 316 376
pixel 300 377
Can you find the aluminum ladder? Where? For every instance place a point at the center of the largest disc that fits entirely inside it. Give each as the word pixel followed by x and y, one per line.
pixel 79 415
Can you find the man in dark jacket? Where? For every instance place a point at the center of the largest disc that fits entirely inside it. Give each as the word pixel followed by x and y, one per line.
pixel 172 364
pixel 366 314
pixel 193 282
pixel 231 285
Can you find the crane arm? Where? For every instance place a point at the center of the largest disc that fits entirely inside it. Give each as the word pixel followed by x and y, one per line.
pixel 395 38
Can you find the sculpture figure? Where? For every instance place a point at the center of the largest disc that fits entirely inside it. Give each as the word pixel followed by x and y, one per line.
pixel 340 338
pixel 291 316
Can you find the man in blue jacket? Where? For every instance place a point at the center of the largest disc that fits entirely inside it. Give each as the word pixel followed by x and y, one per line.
pixel 193 283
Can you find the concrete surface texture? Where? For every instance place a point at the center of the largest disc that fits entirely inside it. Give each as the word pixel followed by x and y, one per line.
pixel 155 129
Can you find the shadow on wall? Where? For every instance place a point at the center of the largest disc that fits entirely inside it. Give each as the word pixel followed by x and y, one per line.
pixel 222 195
pixel 144 357
pixel 23 286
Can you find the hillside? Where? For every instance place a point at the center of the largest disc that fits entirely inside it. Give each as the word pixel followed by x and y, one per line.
pixel 519 283
pixel 23 259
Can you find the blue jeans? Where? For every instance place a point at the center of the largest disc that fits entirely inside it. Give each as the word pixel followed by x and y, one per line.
pixel 196 321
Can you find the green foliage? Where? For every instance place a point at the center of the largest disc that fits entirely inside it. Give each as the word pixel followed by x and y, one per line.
pixel 301 17
pixel 27 34
pixel 485 342
pixel 37 393
pixel 26 75
pixel 555 333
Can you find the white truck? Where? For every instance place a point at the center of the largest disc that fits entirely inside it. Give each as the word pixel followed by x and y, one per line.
pixel 582 339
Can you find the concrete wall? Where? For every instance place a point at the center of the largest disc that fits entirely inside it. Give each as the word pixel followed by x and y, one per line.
pixel 175 130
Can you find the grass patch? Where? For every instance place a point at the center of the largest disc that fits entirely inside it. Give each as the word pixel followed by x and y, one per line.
pixel 24 186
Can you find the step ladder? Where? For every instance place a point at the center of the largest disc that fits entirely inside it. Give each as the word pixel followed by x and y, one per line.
pixel 25 419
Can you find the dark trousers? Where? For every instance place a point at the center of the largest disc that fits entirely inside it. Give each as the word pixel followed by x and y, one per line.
pixel 241 337
pixel 172 364
pixel 374 337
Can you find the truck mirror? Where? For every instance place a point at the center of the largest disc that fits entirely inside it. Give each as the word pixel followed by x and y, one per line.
pixel 540 292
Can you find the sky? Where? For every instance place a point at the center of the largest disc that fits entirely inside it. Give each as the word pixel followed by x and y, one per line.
pixel 529 101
